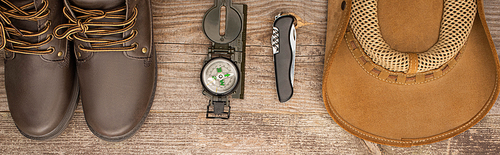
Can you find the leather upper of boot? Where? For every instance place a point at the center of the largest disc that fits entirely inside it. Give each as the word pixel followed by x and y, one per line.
pixel 39 79
pixel 117 72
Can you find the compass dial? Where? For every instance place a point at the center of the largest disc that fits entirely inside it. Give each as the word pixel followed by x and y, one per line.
pixel 220 76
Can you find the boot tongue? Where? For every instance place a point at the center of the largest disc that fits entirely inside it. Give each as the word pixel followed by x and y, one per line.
pixel 20 3
pixel 98 4
pixel 25 24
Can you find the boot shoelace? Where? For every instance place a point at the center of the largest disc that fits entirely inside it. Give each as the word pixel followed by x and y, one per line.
pixel 22 13
pixel 82 26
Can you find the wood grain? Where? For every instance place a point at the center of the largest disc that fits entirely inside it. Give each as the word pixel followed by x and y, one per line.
pixel 192 133
pixel 259 124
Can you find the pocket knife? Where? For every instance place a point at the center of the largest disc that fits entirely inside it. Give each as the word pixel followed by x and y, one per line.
pixel 283 43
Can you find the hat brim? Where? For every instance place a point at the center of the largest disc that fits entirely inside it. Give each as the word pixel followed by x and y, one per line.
pixel 414 114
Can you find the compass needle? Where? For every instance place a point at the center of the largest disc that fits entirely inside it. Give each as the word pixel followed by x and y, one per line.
pixel 211 81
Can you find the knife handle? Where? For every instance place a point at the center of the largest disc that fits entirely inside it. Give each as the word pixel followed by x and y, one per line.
pixel 284 44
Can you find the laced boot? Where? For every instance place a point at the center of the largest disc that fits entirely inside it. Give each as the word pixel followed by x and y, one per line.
pixel 116 63
pixel 40 80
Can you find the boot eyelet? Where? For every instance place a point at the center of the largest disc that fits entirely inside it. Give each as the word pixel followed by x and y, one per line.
pixel 59 54
pixel 144 50
pixel 52 49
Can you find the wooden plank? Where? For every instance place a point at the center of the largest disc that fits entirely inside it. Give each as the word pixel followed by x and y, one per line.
pixel 243 133
pixel 173 20
pixel 254 133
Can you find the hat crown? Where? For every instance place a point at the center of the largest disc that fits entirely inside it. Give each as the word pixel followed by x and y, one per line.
pixel 410 26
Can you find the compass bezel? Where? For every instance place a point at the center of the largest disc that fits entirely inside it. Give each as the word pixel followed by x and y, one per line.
pixel 202 77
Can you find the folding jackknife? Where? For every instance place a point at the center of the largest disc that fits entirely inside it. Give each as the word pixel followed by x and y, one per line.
pixel 283 43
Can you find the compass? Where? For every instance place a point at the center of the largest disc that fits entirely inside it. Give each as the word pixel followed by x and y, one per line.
pixel 223 72
pixel 220 76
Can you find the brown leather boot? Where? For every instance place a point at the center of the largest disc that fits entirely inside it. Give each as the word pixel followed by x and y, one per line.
pixel 116 63
pixel 40 79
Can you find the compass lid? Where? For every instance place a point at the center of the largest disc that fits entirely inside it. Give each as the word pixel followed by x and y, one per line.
pixel 212 22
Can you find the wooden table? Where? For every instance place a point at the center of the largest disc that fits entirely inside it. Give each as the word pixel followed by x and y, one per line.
pixel 259 123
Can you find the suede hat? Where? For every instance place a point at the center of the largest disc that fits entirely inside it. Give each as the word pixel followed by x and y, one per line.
pixel 407 73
